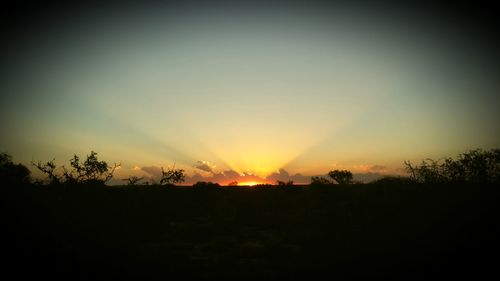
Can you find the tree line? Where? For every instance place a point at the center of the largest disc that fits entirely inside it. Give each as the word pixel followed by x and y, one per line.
pixel 473 166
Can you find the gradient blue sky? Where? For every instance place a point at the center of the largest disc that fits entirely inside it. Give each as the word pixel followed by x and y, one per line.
pixel 249 91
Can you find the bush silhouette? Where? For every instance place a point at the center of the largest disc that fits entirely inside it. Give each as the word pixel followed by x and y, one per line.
pixel 13 173
pixel 429 171
pixel 341 176
pixel 320 181
pixel 205 185
pixel 392 180
pixel 91 171
pixel 283 183
pixel 172 176
pixel 134 180
pixel 49 169
pixel 474 166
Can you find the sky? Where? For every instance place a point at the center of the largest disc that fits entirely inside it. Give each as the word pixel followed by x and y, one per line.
pixel 248 93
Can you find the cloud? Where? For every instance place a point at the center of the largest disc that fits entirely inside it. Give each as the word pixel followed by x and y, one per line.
pixel 300 179
pixel 231 174
pixel 195 178
pixel 283 175
pixel 373 172
pixel 154 171
pixel 205 166
pixel 367 177
pixel 225 177
pixel 377 168
pixel 228 176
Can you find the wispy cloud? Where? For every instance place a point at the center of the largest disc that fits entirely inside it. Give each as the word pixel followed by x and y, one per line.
pixel 205 166
pixel 154 171
pixel 228 176
pixel 283 175
pixel 377 168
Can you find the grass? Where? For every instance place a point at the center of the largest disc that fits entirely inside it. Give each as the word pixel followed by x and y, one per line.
pixel 346 232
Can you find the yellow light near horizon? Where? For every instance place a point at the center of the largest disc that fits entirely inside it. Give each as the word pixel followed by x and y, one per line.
pixel 249 183
pixel 257 161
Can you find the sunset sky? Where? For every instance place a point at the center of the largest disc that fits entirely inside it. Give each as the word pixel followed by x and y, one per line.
pixel 249 93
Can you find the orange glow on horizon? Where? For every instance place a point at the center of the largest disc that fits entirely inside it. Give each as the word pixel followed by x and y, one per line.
pixel 249 183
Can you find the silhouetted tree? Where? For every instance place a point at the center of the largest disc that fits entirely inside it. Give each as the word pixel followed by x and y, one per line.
pixel 392 180
pixel 341 176
pixel 172 176
pixel 262 185
pixel 233 183
pixel 205 185
pixel 429 171
pixel 133 180
pixel 48 168
pixel 316 181
pixel 13 173
pixel 475 166
pixel 90 171
pixel 283 183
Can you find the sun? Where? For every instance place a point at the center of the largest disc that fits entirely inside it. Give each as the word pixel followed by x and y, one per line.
pixel 248 183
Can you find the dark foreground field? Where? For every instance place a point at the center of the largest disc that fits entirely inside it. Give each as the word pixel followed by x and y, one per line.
pixel 351 232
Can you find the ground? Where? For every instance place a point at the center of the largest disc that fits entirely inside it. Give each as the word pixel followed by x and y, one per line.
pixel 349 232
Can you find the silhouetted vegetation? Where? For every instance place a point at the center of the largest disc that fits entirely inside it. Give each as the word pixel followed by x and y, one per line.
pixel 364 231
pixel 49 169
pixel 394 228
pixel 205 185
pixel 172 176
pixel 284 183
pixel 91 171
pixel 262 185
pixel 134 180
pixel 11 173
pixel 341 176
pixel 393 180
pixel 320 181
pixel 474 166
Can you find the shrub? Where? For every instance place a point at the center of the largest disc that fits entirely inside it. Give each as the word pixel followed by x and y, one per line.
pixel 392 180
pixel 283 183
pixel 49 169
pixel 134 180
pixel 341 176
pixel 13 173
pixel 474 166
pixel 172 176
pixel 319 181
pixel 91 171
pixel 205 185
